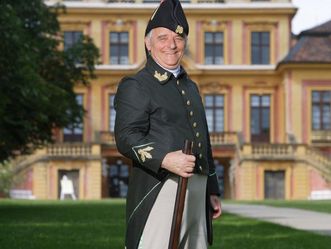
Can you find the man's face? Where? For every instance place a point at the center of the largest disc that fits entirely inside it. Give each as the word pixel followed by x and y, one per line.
pixel 166 47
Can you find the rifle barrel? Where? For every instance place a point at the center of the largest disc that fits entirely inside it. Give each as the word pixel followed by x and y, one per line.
pixel 179 203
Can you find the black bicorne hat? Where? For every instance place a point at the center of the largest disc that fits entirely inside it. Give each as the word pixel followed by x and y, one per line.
pixel 169 15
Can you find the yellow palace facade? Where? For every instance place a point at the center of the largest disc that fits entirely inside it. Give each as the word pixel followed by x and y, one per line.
pixel 267 97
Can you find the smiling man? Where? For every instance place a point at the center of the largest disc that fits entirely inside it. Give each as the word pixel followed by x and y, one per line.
pixel 166 47
pixel 156 110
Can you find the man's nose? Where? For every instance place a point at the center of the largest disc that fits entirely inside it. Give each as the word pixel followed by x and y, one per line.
pixel 172 43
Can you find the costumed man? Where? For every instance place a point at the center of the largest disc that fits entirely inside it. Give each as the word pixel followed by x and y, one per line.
pixel 156 110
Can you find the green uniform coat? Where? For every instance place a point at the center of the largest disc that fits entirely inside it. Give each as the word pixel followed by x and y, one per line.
pixel 155 113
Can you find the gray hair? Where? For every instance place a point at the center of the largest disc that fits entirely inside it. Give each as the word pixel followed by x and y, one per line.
pixel 149 36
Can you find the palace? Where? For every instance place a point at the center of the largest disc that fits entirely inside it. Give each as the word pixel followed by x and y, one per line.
pixel 267 95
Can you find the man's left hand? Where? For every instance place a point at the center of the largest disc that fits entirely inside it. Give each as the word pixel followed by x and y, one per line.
pixel 216 205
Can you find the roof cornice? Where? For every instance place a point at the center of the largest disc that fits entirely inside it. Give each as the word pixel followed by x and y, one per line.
pixel 246 8
pixel 303 65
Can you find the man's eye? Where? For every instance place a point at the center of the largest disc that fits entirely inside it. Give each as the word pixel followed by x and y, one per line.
pixel 179 38
pixel 162 38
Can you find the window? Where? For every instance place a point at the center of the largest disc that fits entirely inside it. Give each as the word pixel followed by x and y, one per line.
pixel 118 178
pixel 260 48
pixel 74 133
pixel 214 106
pixel 321 110
pixel 112 113
pixel 119 48
pixel 71 37
pixel 260 118
pixel 214 43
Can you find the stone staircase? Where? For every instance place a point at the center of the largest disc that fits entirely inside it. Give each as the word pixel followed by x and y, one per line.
pixel 287 152
pixel 319 161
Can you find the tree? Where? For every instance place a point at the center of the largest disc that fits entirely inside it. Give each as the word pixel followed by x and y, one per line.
pixel 6 178
pixel 37 79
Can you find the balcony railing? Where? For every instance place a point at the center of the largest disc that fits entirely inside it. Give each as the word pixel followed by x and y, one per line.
pixel 223 138
pixel 107 137
pixel 273 150
pixel 69 149
pixel 291 152
pixel 321 136
pixel 318 157
pixel 58 151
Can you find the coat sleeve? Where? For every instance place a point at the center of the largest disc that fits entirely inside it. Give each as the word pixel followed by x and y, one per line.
pixel 132 124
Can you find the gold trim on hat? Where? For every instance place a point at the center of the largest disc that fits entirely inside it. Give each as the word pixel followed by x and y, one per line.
pixel 155 12
pixel 179 29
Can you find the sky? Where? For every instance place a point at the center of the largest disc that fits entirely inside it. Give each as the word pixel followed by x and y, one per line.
pixel 310 13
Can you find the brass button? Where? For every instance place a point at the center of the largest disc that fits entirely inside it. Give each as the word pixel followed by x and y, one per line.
pixel 194 124
pixel 188 102
pixel 191 113
pixel 177 82
pixel 200 156
pixel 200 167
pixel 199 145
pixel 183 92
pixel 197 134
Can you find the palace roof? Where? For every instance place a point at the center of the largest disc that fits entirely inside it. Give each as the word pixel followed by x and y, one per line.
pixel 312 46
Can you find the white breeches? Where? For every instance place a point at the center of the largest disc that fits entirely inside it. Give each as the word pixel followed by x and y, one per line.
pixel 193 230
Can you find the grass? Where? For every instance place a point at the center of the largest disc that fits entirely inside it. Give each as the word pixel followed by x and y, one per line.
pixel 100 224
pixel 233 232
pixel 316 205
pixel 61 225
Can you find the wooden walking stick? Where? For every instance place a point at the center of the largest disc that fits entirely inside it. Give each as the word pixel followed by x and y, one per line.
pixel 179 203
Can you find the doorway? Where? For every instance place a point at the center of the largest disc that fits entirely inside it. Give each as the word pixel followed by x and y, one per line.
pixel 274 184
pixel 72 175
pixel 118 178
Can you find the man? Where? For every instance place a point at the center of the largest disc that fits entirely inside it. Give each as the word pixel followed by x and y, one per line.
pixel 156 110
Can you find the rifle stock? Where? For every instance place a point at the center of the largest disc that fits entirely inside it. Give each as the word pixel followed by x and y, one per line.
pixel 179 203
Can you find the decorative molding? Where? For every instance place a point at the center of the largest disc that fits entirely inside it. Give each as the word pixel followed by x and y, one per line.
pixel 213 87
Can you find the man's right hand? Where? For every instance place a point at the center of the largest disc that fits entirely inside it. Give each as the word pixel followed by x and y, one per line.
pixel 179 163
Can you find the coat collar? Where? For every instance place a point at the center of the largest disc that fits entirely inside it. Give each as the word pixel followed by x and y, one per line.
pixel 159 73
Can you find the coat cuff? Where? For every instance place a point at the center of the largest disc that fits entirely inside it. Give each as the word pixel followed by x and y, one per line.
pixel 213 185
pixel 150 155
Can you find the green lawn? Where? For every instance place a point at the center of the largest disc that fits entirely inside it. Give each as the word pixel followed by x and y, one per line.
pixel 61 225
pixel 317 205
pixel 100 224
